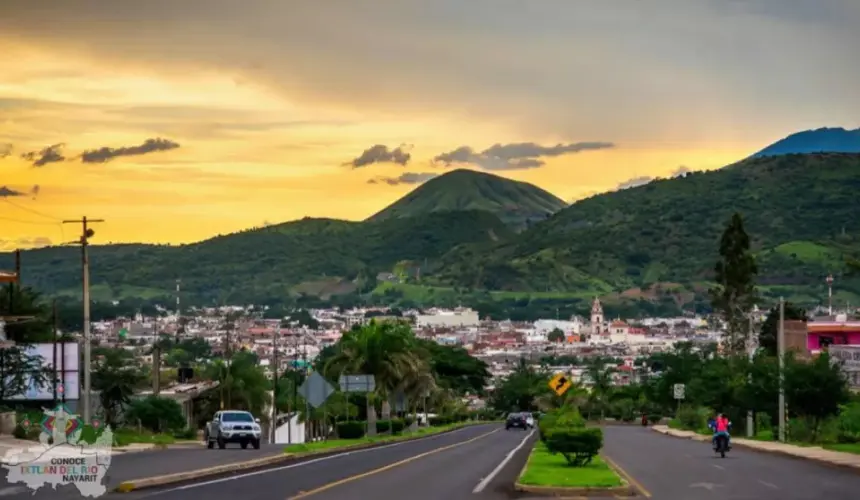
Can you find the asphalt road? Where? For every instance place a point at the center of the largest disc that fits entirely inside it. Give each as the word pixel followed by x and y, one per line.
pixel 449 466
pixel 670 468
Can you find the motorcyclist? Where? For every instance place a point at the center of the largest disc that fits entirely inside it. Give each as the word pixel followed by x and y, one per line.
pixel 721 427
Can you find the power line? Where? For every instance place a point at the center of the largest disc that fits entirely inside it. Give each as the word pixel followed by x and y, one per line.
pixel 10 219
pixel 32 211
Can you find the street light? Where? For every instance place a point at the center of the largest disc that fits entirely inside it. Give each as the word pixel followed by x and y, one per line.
pixel 829 281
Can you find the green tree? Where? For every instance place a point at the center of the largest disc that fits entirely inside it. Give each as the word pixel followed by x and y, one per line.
pixel 770 328
pixel 116 376
pixel 389 351
pixel 735 293
pixel 815 389
pixel 522 390
pixel 454 368
pixel 243 384
pixel 556 335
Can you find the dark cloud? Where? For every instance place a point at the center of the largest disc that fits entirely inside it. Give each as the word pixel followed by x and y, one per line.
pixel 6 192
pixel 406 178
pixel 50 154
pixel 381 154
pixel 515 156
pixel 104 154
pixel 5 149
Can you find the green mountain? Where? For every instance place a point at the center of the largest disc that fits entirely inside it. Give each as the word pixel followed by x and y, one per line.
pixel 801 212
pixel 650 248
pixel 517 204
pixel 262 265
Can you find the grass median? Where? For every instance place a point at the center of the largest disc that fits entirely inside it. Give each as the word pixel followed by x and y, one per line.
pixel 334 444
pixel 552 471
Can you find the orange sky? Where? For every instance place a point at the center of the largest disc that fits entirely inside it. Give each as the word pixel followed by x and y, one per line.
pixel 266 140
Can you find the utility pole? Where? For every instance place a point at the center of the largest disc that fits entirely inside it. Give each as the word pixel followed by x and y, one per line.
pixel 276 335
pixel 86 234
pixel 750 352
pixel 156 361
pixel 780 342
pixel 179 329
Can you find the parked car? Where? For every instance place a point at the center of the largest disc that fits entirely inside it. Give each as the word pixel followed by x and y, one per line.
pixel 516 420
pixel 233 426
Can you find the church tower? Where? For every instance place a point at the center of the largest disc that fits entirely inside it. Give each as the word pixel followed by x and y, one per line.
pixel 596 317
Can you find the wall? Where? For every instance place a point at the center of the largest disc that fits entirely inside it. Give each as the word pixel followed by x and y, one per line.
pixel 813 339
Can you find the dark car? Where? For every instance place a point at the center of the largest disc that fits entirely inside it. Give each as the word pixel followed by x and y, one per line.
pixel 517 420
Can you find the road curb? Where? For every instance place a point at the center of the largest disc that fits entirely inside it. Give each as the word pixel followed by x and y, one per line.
pixel 772 451
pixel 626 490
pixel 180 477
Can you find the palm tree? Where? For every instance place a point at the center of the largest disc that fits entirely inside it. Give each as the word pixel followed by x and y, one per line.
pixel 601 385
pixel 388 351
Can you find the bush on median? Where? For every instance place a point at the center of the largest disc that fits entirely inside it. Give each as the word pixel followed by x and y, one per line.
pixel 561 417
pixel 578 445
pixel 354 429
pixel 395 425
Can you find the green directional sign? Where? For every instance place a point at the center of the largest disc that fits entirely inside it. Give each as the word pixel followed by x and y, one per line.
pixel 123 333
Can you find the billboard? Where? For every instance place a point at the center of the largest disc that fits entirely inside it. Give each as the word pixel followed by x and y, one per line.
pixel 66 371
pixel 848 357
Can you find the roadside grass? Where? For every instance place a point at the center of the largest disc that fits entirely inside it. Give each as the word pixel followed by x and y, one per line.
pixel 546 469
pixel 768 435
pixel 844 447
pixel 333 444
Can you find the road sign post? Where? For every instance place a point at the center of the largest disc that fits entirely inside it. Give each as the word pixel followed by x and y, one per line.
pixel 678 391
pixel 316 391
pixel 560 383
pixel 359 383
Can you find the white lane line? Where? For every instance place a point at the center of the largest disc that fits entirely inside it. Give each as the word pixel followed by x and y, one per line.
pixel 769 485
pixel 719 467
pixel 484 482
pixel 302 464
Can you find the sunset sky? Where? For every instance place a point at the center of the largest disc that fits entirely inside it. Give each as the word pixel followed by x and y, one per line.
pixel 176 120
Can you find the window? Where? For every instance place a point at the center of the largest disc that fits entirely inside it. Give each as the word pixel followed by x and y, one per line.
pixel 237 417
pixel 825 342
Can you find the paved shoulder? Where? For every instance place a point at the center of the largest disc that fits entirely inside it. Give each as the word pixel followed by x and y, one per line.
pixel 671 468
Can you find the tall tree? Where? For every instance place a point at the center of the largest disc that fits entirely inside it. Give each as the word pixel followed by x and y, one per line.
pixel 735 292
pixel 116 376
pixel 21 370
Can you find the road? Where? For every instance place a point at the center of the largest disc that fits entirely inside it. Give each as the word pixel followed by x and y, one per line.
pixel 450 466
pixel 127 466
pixel 670 468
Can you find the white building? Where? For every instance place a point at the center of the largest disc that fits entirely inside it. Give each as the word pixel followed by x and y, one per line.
pixel 459 317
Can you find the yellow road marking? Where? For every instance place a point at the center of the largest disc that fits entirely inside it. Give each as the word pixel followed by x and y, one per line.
pixel 329 486
pixel 630 479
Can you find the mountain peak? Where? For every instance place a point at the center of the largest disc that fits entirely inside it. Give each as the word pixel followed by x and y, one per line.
pixel 515 203
pixel 821 140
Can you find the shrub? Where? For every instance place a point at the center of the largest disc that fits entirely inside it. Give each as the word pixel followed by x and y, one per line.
pixel 561 417
pixel 383 426
pixel 187 433
pixel 353 429
pixel 578 445
pixel 849 423
pixel 397 425
pixel 438 421
pixel 694 418
pixel 653 418
pixel 156 414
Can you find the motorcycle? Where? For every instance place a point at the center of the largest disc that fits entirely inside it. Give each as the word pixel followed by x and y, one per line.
pixel 722 445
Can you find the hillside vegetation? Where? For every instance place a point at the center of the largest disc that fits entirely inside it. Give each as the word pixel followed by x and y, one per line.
pixel 650 246
pixel 800 210
pixel 264 265
pixel 517 204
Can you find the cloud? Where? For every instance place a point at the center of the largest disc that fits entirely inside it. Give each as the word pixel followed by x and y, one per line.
pixel 6 192
pixel 681 171
pixel 634 182
pixel 5 149
pixel 515 156
pixel 50 154
pixel 381 154
pixel 14 244
pixel 105 154
pixel 405 178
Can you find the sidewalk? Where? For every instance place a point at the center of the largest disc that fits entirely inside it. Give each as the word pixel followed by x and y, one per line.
pixel 814 453
pixel 8 444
